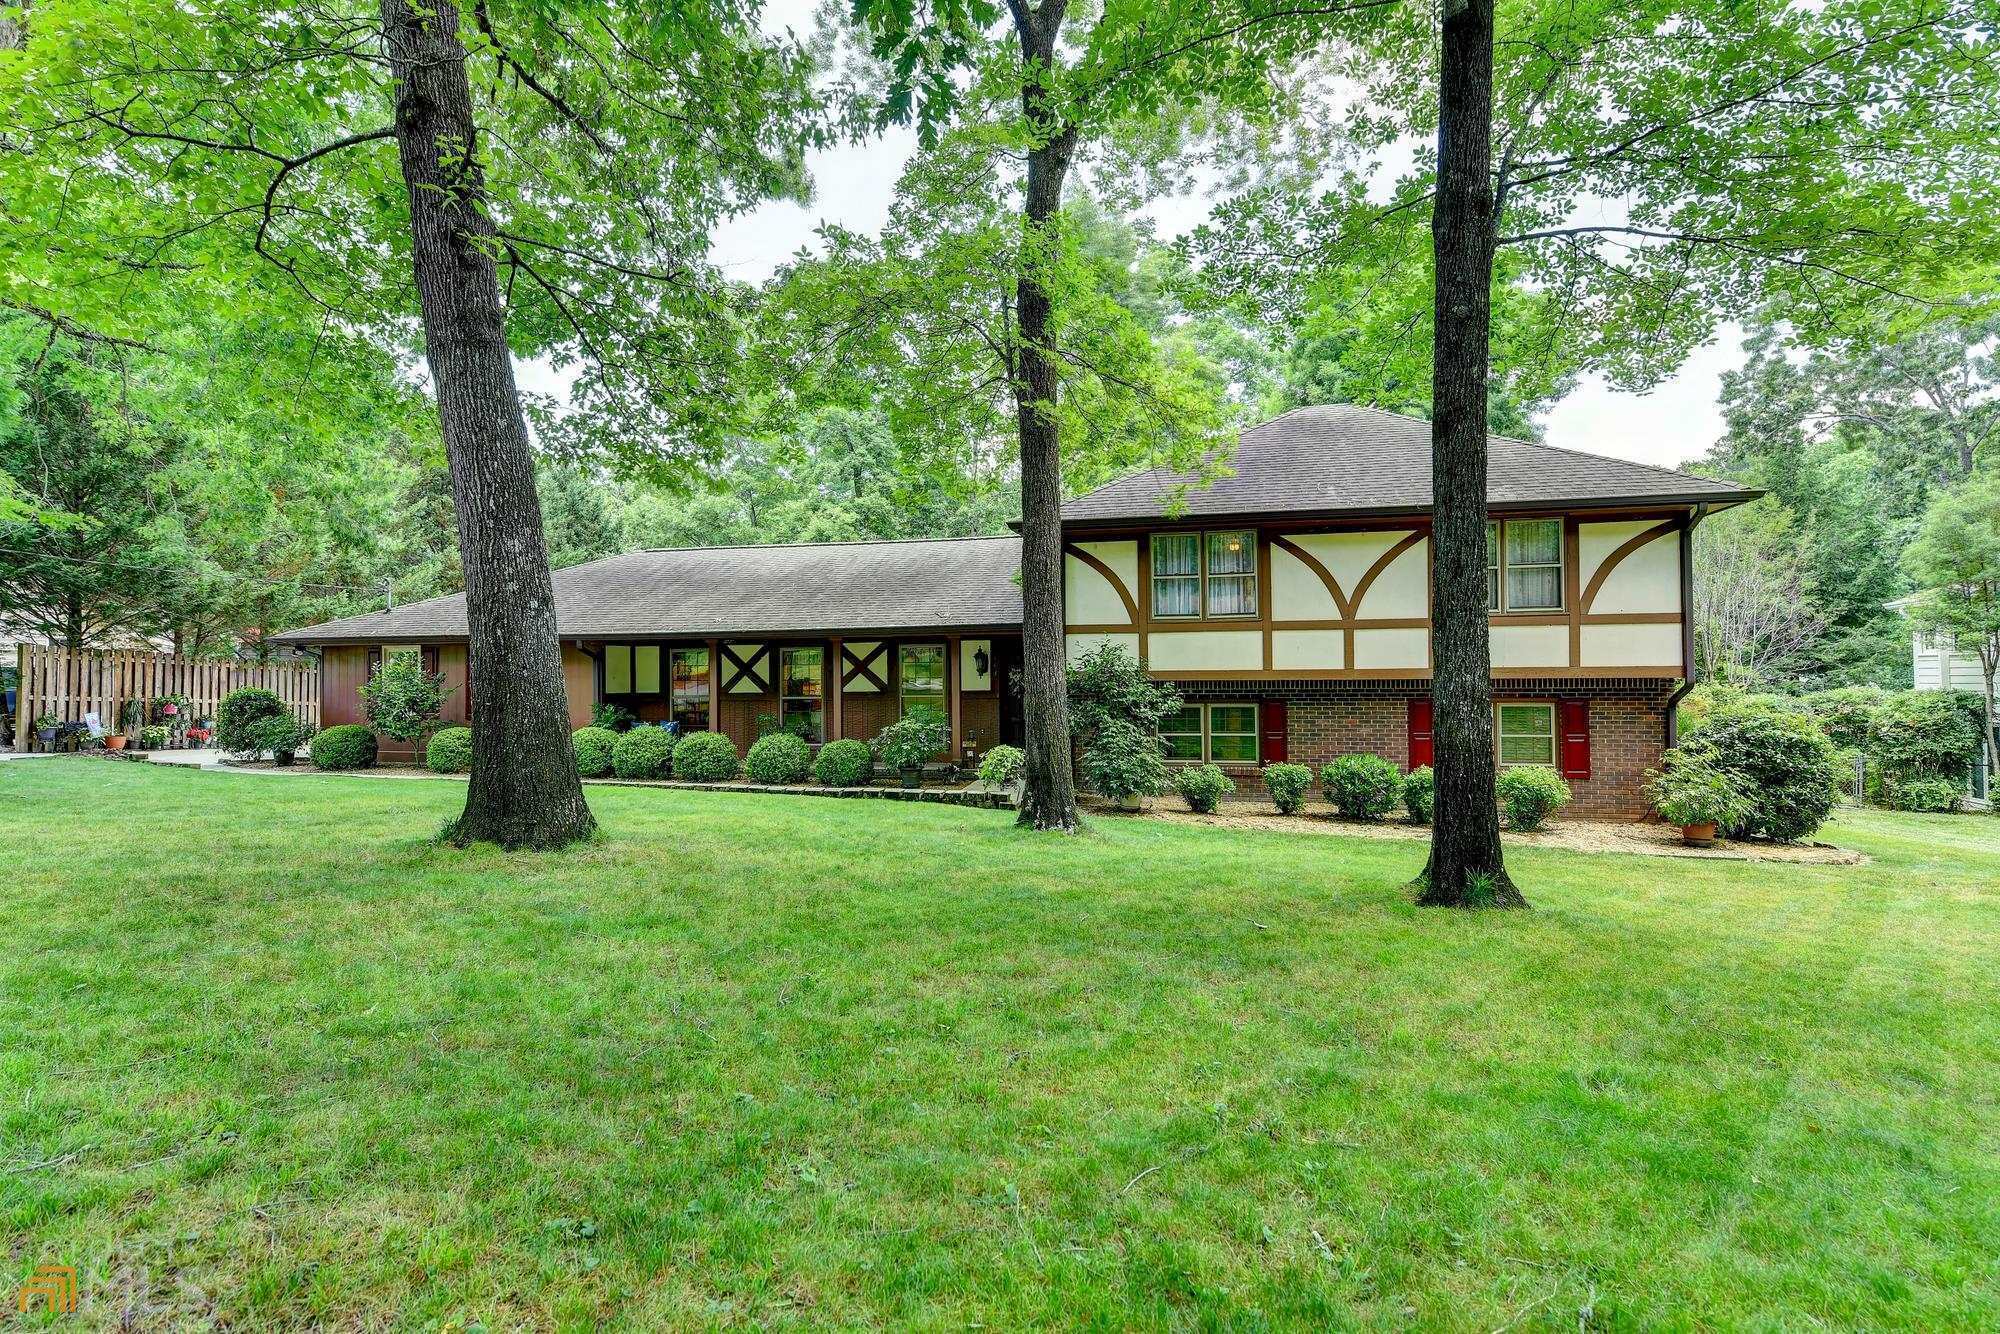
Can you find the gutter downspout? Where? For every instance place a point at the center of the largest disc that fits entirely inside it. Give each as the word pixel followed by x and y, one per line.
pixel 1699 513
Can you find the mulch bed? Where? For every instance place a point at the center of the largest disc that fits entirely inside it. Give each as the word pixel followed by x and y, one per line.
pixel 1643 838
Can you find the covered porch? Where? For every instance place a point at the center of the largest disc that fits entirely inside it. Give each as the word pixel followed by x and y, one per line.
pixel 823 687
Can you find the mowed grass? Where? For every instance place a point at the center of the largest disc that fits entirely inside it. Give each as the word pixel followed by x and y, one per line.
pixel 269 1057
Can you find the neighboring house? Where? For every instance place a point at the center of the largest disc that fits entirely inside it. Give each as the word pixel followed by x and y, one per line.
pixel 1289 601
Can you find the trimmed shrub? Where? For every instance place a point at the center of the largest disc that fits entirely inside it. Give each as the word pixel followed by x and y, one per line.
pixel 1420 793
pixel 450 751
pixel 403 700
pixel 1926 794
pixel 1001 765
pixel 1781 761
pixel 781 757
pixel 239 713
pixel 593 747
pixel 1201 786
pixel 1362 787
pixel 1288 785
pixel 705 757
pixel 1921 734
pixel 1530 794
pixel 1847 715
pixel 844 763
pixel 348 746
pixel 1123 761
pixel 643 752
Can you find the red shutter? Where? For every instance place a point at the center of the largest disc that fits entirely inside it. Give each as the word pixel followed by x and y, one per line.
pixel 1420 733
pixel 1573 716
pixel 1272 712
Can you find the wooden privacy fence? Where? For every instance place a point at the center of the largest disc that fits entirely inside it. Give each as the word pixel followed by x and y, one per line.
pixel 70 685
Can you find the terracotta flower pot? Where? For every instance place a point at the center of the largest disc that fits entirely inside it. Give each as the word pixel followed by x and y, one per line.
pixel 1698 835
pixel 115 741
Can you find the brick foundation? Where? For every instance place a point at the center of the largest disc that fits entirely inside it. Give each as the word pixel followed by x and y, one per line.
pixel 1328 718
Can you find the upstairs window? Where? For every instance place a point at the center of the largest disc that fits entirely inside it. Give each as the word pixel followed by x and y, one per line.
pixel 1204 574
pixel 1524 565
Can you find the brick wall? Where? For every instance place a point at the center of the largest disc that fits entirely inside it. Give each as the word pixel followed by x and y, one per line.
pixel 1328 718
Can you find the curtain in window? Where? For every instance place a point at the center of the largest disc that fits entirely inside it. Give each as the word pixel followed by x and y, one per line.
pixel 1534 564
pixel 1232 574
pixel 1492 567
pixel 1176 574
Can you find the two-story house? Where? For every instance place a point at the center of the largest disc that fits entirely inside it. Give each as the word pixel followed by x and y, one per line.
pixel 1289 601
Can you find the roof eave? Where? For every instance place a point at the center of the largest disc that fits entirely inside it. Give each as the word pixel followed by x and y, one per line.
pixel 1713 500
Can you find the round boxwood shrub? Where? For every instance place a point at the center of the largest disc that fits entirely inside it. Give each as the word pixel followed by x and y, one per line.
pixel 593 750
pixel 1925 794
pixel 236 720
pixel 705 757
pixel 778 758
pixel 1362 787
pixel 450 751
pixel 1782 762
pixel 1420 793
pixel 1001 765
pixel 348 746
pixel 844 763
pixel 1288 785
pixel 1530 794
pixel 1201 786
pixel 643 752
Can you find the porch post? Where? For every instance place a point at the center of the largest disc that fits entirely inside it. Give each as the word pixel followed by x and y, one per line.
pixel 952 694
pixel 715 685
pixel 834 730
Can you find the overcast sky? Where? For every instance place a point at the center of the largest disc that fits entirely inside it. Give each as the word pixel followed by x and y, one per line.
pixel 853 184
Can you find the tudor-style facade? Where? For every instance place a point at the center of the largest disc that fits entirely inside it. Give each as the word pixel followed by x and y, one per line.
pixel 1289 601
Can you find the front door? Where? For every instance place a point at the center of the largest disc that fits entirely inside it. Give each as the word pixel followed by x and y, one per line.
pixel 1006 674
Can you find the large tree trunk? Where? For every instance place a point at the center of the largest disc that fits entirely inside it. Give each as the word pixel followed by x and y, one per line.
pixel 1465 867
pixel 524 790
pixel 1048 789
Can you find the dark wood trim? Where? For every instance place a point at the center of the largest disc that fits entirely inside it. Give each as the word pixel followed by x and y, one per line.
pixel 1618 555
pixel 1384 561
pixel 863 668
pixel 1110 577
pixel 953 703
pixel 1313 563
pixel 738 668
pixel 835 724
pixel 1424 674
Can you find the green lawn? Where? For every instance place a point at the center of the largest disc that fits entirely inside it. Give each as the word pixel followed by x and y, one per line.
pixel 269 1057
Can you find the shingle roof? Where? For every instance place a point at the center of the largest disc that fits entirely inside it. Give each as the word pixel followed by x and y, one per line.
pixel 727 591
pixel 1346 459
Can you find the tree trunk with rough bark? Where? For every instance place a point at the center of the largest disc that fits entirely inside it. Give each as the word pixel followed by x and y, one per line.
pixel 1048 789
pixel 1466 867
pixel 524 790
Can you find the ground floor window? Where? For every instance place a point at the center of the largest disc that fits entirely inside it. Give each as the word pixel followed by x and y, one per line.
pixel 922 684
pixel 802 675
pixel 1527 734
pixel 631 669
pixel 690 686
pixel 1221 733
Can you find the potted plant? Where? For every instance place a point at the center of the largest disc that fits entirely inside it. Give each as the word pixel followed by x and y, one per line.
pixel 45 728
pixel 1691 790
pixel 115 741
pixel 905 746
pixel 152 737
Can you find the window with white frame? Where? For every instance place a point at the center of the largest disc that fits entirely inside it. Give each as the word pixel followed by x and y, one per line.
pixel 1219 733
pixel 1210 574
pixel 1524 565
pixel 1526 733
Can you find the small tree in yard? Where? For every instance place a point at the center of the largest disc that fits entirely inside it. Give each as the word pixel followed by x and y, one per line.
pixel 1107 685
pixel 1956 556
pixel 402 699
